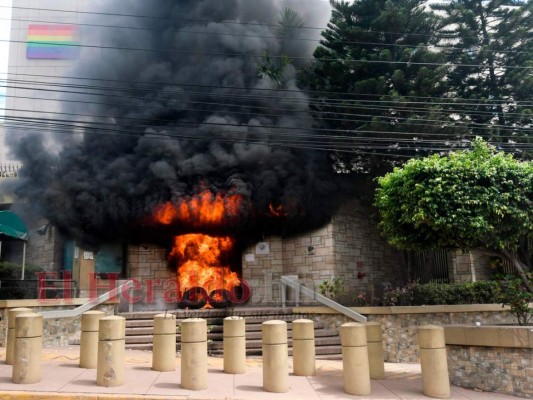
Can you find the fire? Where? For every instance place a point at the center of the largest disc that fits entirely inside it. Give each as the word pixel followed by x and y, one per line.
pixel 200 263
pixel 204 209
pixel 277 211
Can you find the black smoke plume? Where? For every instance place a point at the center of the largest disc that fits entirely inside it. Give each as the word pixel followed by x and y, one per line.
pixel 186 111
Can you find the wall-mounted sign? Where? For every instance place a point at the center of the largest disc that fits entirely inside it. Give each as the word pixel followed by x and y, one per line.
pixel 53 42
pixel 262 248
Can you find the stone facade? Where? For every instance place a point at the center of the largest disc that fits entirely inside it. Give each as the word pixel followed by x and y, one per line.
pixel 156 281
pixel 56 331
pixel 400 324
pixel 45 249
pixel 468 267
pixel 349 247
pixel 492 369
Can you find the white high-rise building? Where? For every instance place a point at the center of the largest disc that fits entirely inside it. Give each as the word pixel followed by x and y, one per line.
pixel 43 46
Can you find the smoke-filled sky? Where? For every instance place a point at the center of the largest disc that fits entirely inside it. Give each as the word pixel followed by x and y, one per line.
pixel 188 113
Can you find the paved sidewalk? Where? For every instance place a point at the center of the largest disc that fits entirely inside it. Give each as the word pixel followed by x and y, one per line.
pixel 63 379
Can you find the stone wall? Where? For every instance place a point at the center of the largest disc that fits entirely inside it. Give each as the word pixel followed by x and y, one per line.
pixel 468 267
pixel 45 250
pixel 400 324
pixel 56 331
pixel 492 369
pixel 156 281
pixel 365 260
pixel 491 358
pixel 349 247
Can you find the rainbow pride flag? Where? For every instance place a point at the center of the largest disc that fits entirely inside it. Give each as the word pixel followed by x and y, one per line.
pixel 53 42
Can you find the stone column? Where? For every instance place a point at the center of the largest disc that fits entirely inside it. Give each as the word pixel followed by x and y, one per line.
pixel 234 345
pixel 434 362
pixel 164 350
pixel 28 348
pixel 10 340
pixel 90 321
pixel 194 354
pixel 355 359
pixel 376 357
pixel 110 368
pixel 303 347
pixel 275 357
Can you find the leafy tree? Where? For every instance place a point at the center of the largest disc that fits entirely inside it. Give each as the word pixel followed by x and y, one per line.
pixel 472 200
pixel 492 41
pixel 376 75
pixel 286 30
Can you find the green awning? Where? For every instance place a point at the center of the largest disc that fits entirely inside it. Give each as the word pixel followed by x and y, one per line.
pixel 11 225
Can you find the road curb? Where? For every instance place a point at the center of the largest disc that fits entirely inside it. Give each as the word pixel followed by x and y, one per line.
pixel 86 396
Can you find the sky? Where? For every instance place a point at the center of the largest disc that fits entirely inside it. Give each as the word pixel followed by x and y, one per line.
pixel 5 26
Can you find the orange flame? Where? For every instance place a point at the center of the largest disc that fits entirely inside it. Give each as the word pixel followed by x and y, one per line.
pixel 203 209
pixel 200 262
pixel 277 211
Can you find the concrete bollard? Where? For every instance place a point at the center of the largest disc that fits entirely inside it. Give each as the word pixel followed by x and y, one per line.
pixel 90 321
pixel 234 345
pixel 194 354
pixel 434 362
pixel 355 366
pixel 275 357
pixel 376 356
pixel 303 347
pixel 28 348
pixel 10 340
pixel 110 369
pixel 164 350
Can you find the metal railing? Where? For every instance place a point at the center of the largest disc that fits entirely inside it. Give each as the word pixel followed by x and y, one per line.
pixel 290 282
pixel 90 304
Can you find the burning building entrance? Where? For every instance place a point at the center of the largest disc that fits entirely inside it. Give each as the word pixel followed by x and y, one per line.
pixel 203 275
pixel 188 127
pixel 206 264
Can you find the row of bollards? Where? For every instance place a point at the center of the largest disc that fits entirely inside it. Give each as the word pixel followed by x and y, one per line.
pixel 102 346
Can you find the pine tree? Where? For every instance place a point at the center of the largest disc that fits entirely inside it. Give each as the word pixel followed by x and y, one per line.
pixel 489 45
pixel 383 81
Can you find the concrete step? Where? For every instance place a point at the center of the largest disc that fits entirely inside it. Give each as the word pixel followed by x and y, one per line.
pixel 324 351
pixel 139 329
pixel 141 336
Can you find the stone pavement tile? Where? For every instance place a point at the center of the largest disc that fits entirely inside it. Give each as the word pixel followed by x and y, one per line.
pixel 4 366
pixel 138 380
pixel 250 386
pixel 331 386
pixel 479 395
pixel 411 389
pixel 53 379
pixel 220 386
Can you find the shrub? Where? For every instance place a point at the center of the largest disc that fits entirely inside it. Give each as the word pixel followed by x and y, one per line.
pixel 415 294
pixel 512 292
pixel 332 288
pixel 16 288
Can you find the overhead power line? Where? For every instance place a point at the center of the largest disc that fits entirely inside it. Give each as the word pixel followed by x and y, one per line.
pixel 295 39
pixel 251 55
pixel 329 145
pixel 206 21
pixel 140 83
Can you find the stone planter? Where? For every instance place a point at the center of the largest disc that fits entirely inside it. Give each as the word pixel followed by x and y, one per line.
pixel 491 358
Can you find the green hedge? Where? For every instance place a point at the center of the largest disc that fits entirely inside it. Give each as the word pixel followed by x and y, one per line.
pixel 12 288
pixel 415 294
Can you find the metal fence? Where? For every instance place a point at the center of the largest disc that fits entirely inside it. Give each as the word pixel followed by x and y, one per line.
pixel 429 266
pixel 37 289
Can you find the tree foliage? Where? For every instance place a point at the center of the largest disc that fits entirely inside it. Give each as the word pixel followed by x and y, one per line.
pixel 403 79
pixel 379 71
pixel 492 41
pixel 478 199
